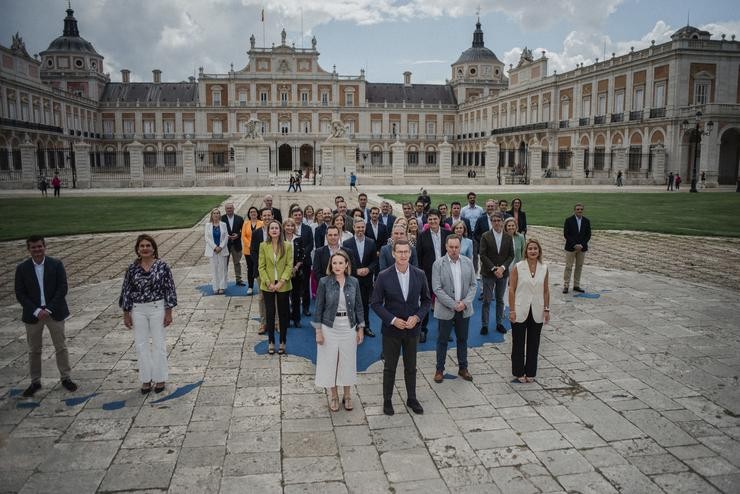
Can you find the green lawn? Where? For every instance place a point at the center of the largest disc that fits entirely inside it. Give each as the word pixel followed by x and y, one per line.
pixel 707 213
pixel 74 215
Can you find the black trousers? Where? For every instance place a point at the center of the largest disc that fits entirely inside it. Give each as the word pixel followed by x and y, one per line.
pixel 296 294
pixel 283 314
pixel 366 289
pixel 251 270
pixel 306 294
pixel 525 339
pixel 392 348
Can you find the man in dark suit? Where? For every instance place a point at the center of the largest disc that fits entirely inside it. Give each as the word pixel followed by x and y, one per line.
pixel 420 214
pixel 306 235
pixel 386 215
pixel 429 247
pixel 577 233
pixel 483 224
pixel 275 211
pixel 385 258
pixel 322 255
pixel 455 216
pixel 234 224
pixel 362 205
pixel 364 257
pixel 496 254
pixel 320 232
pixel 259 236
pixel 401 300
pixel 376 230
pixel 41 288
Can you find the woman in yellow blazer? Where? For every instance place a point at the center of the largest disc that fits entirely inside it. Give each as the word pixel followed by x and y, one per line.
pixel 276 269
pixel 251 223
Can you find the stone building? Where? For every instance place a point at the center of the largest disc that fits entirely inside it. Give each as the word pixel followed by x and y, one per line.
pixel 282 112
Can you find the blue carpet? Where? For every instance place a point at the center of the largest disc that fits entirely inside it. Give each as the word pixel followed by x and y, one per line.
pixel 27 404
pixel 181 391
pixel 232 290
pixel 302 341
pixel 587 295
pixel 114 405
pixel 71 402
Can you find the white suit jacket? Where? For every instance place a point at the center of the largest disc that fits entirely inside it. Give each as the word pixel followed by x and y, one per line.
pixel 208 233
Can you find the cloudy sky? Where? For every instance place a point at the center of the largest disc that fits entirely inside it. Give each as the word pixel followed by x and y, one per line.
pixel 386 37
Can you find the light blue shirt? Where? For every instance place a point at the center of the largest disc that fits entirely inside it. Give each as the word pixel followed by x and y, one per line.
pixel 39 269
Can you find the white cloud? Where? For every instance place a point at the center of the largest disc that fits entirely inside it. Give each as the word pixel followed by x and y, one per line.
pixel 425 62
pixel 186 33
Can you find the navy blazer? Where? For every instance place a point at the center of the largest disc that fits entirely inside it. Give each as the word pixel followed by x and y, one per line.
pixel 28 291
pixel 321 261
pixel 385 258
pixel 383 234
pixel 573 236
pixel 369 258
pixel 307 243
pixel 391 220
pixel 425 251
pixel 254 249
pixel 481 227
pixel 449 222
pixel 388 303
pixel 238 225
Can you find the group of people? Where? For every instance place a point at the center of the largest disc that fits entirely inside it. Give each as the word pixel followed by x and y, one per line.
pixel 56 184
pixel 349 262
pixel 674 181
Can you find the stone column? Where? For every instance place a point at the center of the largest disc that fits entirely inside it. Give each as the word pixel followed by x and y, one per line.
pixel 82 165
pixel 337 160
pixel 398 149
pixel 188 164
pixel 577 173
pixel 492 164
pixel 136 158
pixel 659 164
pixel 28 164
pixel 445 162
pixel 534 163
pixel 620 161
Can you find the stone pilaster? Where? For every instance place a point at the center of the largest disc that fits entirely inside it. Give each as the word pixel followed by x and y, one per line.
pixel 397 165
pixel 136 159
pixel 659 164
pixel 82 165
pixel 579 154
pixel 28 164
pixel 492 163
pixel 534 163
pixel 620 160
pixel 445 162
pixel 188 164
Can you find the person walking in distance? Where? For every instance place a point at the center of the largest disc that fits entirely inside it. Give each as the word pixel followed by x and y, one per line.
pixel 353 182
pixel 56 182
pixel 454 286
pixel 401 300
pixel 577 233
pixel 41 289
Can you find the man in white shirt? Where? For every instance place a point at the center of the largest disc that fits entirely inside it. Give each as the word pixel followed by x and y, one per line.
pixel 454 286
pixel 471 212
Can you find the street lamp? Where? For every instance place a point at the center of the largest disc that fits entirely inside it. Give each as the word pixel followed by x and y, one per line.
pixel 697 130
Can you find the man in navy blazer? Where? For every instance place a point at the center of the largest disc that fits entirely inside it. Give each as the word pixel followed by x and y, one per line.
pixel 455 208
pixel 234 225
pixel 401 300
pixel 385 258
pixel 364 257
pixel 376 230
pixel 386 215
pixel 577 233
pixel 323 254
pixel 41 288
pixel 306 234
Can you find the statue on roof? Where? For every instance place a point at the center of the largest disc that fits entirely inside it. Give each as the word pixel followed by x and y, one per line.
pixel 283 35
pixel 526 57
pixel 313 43
pixel 252 130
pixel 252 41
pixel 18 46
pixel 338 129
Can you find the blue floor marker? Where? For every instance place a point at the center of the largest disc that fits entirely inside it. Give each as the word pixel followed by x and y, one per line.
pixel 27 404
pixel 13 392
pixel 232 290
pixel 181 391
pixel 114 405
pixel 587 295
pixel 302 341
pixel 71 402
pixel 450 376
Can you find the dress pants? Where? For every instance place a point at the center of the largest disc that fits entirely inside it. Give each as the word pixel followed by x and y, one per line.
pixel 366 289
pixel 493 286
pixel 251 271
pixel 283 314
pixel 34 334
pixel 306 295
pixel 392 348
pixel 219 270
pixel 236 258
pixel 296 294
pixel 461 325
pixel 577 258
pixel 148 321
pixel 525 334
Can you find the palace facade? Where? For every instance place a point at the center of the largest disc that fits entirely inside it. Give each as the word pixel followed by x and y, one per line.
pixel 637 113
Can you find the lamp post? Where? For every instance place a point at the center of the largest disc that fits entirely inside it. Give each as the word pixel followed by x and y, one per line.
pixel 697 130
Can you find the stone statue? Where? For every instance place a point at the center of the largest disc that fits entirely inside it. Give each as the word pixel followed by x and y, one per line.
pixel 253 129
pixel 525 57
pixel 313 43
pixel 252 41
pixel 337 129
pixel 283 35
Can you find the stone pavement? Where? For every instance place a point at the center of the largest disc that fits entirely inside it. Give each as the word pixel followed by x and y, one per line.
pixel 637 392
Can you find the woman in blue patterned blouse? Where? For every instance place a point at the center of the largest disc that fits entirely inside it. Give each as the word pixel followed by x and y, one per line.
pixel 147 298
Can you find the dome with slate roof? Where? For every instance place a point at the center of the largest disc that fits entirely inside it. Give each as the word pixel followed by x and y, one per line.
pixel 70 40
pixel 478 52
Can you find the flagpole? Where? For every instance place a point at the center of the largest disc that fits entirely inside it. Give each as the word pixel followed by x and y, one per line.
pixel 263 28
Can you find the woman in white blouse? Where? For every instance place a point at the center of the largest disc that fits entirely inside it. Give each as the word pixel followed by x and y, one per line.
pixel 216 237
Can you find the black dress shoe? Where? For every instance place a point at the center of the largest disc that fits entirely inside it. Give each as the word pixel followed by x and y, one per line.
pixel 578 289
pixel 306 313
pixel 415 406
pixel 565 290
pixel 423 337
pixel 31 390
pixel 388 408
pixel 369 332
pixel 484 330
pixel 297 323
pixel 69 385
pixel 500 328
pixel 240 283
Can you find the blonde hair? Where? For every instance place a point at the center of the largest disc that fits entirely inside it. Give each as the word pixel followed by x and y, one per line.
pixel 214 210
pixel 458 223
pixel 539 247
pixel 511 220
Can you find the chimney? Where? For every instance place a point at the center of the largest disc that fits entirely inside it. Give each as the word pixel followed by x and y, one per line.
pixel 407 79
pixel 125 76
pixel 191 79
pixel 157 76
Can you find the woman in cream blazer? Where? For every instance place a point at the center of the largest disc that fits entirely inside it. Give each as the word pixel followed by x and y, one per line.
pixel 529 309
pixel 216 237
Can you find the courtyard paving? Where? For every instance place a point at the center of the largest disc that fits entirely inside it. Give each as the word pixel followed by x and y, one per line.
pixel 637 389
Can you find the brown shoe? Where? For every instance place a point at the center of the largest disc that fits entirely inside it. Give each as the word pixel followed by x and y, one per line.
pixel 262 330
pixel 439 377
pixel 465 374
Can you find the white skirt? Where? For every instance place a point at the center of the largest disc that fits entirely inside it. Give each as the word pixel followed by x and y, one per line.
pixel 336 359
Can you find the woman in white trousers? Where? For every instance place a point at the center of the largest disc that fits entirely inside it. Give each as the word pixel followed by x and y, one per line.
pixel 216 237
pixel 147 298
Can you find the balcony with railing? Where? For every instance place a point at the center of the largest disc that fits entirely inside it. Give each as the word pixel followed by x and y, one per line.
pixel 635 115
pixel 563 124
pixel 584 121
pixel 657 112
pixel 617 117
pixel 599 120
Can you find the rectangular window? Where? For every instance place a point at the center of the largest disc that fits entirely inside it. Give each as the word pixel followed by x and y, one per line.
pixel 565 110
pixel 304 97
pixel 413 157
pixel 533 114
pixel 24 111
pixel 376 127
pixel 546 112
pixel 306 126
pixel 602 104
pixel 586 107
pixel 217 127
pixel 188 126
pixel 108 127
pixel 284 97
pixel 11 109
pixel 265 127
pixel 242 98
pixel 349 99
pixel 47 116
pixel 523 113
pixel 638 100
pixel 701 93
pixel 128 126
pixel 659 99
pixel 350 126
pixel 449 128
pixel 148 126
pixel 169 126
pixel 413 128
pixel 431 128
pixel 431 158
pixel 284 127
pixel 324 99
pixel 263 96
pixel 324 126
pixel 619 102
pixel 217 98
pixel 37 114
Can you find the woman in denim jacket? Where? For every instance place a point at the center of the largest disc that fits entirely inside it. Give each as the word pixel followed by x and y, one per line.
pixel 339 323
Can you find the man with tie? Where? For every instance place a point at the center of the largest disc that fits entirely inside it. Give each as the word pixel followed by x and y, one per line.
pixel 577 233
pixel 304 232
pixel 41 288
pixel 259 236
pixel 234 224
pixel 429 247
pixel 364 257
pixel 376 230
pixel 386 215
pixel 401 300
pixel 496 254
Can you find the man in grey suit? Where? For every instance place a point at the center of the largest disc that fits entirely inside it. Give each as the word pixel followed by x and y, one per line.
pixel 454 285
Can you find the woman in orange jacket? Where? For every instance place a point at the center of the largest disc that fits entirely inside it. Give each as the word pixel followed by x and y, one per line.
pixel 251 223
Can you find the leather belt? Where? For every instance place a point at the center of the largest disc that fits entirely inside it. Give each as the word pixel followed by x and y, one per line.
pixel 341 314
